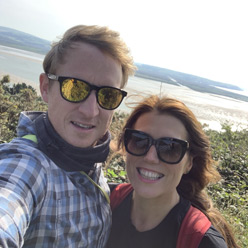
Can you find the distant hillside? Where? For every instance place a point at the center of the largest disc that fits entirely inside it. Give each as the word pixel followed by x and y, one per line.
pixel 17 39
pixel 193 82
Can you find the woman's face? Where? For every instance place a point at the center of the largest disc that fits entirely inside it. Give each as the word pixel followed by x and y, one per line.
pixel 151 177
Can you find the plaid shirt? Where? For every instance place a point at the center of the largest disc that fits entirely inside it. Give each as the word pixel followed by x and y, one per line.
pixel 42 205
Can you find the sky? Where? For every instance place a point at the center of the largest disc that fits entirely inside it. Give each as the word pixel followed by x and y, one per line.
pixel 206 38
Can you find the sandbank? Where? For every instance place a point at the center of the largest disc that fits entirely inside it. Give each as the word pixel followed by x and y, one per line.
pixel 210 109
pixel 15 80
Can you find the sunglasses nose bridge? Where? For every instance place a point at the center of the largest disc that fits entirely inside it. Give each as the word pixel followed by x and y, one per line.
pixel 91 89
pixel 153 142
pixel 94 88
pixel 151 155
pixel 88 92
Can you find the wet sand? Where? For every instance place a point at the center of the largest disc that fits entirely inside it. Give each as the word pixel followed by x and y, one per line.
pixel 15 80
pixel 210 109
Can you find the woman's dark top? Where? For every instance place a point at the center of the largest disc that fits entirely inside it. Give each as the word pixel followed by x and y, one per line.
pixel 124 234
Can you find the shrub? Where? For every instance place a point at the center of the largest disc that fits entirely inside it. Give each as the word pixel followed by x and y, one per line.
pixel 14 100
pixel 229 148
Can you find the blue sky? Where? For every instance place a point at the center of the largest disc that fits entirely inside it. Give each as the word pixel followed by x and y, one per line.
pixel 207 38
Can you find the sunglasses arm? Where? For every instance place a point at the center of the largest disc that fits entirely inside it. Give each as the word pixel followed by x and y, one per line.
pixel 52 76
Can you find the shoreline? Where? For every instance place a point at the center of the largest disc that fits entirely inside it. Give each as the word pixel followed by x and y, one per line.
pixel 19 53
pixel 209 109
pixel 213 110
pixel 16 79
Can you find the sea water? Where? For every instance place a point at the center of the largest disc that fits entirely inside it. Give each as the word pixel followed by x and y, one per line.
pixel 211 109
pixel 24 64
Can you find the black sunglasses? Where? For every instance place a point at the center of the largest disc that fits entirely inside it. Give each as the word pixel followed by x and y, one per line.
pixel 77 90
pixel 169 150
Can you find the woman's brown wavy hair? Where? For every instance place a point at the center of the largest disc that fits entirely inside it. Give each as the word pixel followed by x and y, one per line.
pixel 203 172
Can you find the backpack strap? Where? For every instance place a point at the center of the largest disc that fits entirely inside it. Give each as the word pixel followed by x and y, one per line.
pixel 193 228
pixel 31 137
pixel 119 193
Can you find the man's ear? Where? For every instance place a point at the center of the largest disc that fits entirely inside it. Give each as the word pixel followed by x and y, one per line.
pixel 44 87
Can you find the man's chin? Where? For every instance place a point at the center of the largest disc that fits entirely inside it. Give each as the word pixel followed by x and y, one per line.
pixel 80 144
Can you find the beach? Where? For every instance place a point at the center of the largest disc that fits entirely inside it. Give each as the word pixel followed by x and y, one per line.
pixel 214 110
pixel 22 66
pixel 210 109
pixel 16 79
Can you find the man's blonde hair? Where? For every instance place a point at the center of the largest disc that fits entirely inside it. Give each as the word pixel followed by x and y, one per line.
pixel 107 40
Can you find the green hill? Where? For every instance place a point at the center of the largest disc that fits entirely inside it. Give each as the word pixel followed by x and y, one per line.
pixel 193 82
pixel 17 39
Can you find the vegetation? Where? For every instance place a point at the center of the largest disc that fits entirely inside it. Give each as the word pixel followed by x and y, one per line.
pixel 13 100
pixel 229 148
pixel 231 194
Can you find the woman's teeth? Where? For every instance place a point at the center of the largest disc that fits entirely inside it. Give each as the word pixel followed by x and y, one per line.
pixel 150 175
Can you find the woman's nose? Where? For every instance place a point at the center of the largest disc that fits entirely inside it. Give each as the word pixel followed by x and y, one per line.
pixel 151 156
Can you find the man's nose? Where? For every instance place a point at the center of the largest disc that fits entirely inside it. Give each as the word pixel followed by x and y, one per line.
pixel 90 107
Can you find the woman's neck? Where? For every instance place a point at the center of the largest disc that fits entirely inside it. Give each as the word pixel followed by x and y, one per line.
pixel 146 214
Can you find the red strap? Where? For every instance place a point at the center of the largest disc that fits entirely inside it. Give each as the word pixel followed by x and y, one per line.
pixel 194 226
pixel 119 193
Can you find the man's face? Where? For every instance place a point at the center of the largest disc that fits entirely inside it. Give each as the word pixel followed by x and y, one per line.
pixel 81 124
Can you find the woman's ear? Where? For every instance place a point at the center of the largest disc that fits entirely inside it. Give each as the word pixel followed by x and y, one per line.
pixel 189 165
pixel 44 87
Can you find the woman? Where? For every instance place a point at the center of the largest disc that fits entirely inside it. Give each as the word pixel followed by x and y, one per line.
pixel 169 165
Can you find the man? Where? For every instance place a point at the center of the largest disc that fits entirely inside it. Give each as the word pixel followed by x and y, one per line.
pixel 52 190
